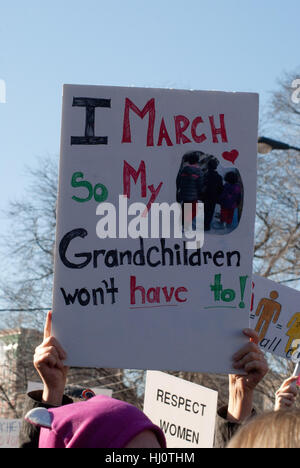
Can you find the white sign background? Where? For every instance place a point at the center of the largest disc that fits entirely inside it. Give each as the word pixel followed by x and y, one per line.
pixel 279 315
pixel 199 334
pixel 9 433
pixel 186 412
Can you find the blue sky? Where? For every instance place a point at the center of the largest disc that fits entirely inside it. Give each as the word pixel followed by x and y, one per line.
pixel 232 45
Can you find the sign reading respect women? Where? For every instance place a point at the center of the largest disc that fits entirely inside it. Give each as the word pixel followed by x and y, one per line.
pixel 185 412
pixel 155 227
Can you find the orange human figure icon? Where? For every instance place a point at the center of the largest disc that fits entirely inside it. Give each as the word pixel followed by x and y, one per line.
pixel 293 333
pixel 269 310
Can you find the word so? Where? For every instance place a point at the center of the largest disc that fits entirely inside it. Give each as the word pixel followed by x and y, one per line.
pixel 92 192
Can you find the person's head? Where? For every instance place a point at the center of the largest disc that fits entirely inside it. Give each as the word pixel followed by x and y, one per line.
pixel 100 422
pixel 231 178
pixel 274 295
pixel 192 157
pixel 279 429
pixel 212 164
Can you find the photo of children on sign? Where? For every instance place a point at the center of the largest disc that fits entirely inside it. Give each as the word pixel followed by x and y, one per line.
pixel 201 178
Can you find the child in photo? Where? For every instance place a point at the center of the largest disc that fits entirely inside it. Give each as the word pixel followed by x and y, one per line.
pixel 230 200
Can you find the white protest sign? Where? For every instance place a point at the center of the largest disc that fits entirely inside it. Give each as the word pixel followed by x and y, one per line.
pixel 102 391
pixel 186 412
pixel 33 386
pixel 275 315
pixel 128 294
pixel 9 433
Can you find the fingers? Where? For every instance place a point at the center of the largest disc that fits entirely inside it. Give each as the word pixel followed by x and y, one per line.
pixel 252 334
pixel 49 355
pixel 252 361
pixel 286 396
pixel 249 348
pixel 285 402
pixel 50 341
pixel 52 344
pixel 288 387
pixel 48 323
pixel 49 358
pixel 250 358
pixel 255 366
pixel 289 381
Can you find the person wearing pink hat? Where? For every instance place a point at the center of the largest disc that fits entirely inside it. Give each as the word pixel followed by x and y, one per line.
pixel 100 422
pixel 54 421
pixel 115 423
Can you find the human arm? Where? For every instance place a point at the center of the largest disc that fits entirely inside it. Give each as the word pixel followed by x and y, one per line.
pixel 241 390
pixel 249 359
pixel 48 361
pixel 286 395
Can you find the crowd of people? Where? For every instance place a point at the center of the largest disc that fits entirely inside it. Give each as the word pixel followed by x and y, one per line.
pixel 53 420
pixel 199 181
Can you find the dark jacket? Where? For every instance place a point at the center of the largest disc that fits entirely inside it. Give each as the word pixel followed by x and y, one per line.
pixel 187 183
pixel 212 187
pixel 225 430
pixel 29 434
pixel 231 196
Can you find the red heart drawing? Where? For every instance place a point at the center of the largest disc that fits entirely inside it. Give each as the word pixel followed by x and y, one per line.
pixel 230 155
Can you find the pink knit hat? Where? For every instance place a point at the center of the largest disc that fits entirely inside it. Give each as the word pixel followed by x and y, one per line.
pixel 101 422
